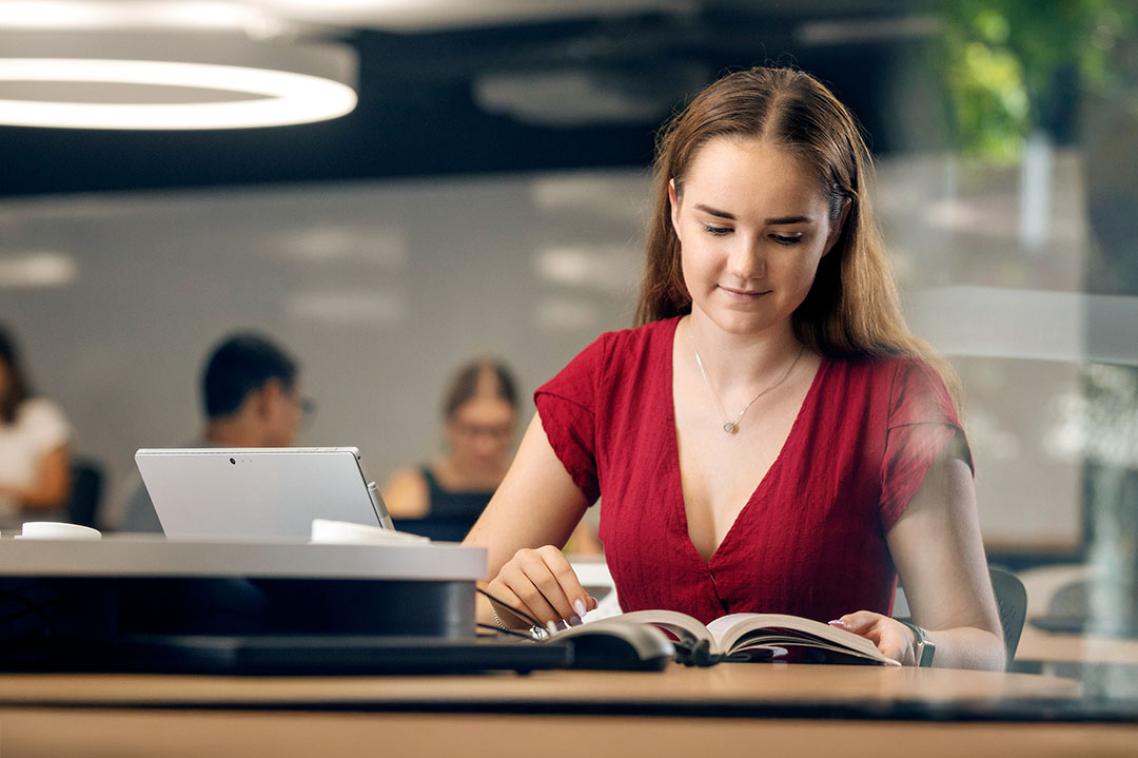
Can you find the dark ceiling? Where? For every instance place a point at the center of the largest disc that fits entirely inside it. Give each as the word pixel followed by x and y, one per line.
pixel 419 115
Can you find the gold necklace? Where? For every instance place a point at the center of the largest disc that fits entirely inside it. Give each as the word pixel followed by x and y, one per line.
pixel 729 426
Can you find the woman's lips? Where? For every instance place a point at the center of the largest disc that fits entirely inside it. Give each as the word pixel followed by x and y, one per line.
pixel 744 294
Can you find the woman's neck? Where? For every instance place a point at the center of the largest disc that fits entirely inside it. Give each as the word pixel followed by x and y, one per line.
pixel 739 360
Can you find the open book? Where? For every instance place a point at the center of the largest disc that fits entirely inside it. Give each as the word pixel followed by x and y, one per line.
pixel 765 636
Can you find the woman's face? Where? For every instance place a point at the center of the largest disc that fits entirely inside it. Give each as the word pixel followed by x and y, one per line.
pixel 480 432
pixel 753 225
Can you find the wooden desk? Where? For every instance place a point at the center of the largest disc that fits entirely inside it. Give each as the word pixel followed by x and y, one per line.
pixel 550 713
pixel 755 685
pixel 1038 646
pixel 193 734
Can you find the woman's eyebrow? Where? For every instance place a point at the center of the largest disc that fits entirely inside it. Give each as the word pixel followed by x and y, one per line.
pixel 789 220
pixel 773 221
pixel 714 212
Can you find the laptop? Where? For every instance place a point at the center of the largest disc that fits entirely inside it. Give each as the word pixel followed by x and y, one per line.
pixel 259 493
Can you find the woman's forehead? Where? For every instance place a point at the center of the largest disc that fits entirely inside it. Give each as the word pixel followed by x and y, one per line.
pixel 751 176
pixel 484 406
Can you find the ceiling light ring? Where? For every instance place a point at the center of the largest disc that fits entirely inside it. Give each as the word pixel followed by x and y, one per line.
pixel 293 83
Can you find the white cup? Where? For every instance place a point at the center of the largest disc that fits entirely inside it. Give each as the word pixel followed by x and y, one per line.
pixel 346 533
pixel 56 530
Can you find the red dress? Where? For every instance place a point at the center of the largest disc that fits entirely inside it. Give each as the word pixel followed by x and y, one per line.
pixel 811 539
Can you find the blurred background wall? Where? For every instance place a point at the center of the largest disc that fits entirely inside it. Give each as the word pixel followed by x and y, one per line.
pixel 487 195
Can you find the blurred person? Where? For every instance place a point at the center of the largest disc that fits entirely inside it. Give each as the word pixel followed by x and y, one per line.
pixel 443 498
pixel 770 438
pixel 35 463
pixel 250 392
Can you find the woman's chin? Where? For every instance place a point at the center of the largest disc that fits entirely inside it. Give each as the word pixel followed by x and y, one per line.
pixel 742 324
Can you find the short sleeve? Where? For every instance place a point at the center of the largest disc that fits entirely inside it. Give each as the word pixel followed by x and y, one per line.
pixel 45 425
pixel 567 407
pixel 922 428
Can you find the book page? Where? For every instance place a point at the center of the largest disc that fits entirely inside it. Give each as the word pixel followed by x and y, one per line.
pixel 680 624
pixel 740 630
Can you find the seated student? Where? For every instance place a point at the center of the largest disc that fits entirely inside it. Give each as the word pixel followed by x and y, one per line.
pixel 251 397
pixel 442 499
pixel 35 474
pixel 771 438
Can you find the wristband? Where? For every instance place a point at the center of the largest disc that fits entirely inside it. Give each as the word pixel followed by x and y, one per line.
pixel 925 648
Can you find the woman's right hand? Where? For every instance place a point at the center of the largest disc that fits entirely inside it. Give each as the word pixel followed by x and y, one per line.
pixel 542 583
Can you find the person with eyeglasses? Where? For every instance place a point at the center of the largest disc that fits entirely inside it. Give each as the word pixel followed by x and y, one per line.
pixel 443 498
pixel 251 395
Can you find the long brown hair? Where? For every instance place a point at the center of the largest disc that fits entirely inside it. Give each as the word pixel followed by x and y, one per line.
pixel 19 389
pixel 464 385
pixel 853 308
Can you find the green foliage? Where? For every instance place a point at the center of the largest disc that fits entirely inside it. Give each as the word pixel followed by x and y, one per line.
pixel 1003 59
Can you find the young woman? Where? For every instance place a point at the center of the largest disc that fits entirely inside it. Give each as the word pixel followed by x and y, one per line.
pixel 442 499
pixel 771 438
pixel 35 479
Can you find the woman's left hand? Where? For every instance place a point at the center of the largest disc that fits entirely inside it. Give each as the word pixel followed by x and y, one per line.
pixel 893 639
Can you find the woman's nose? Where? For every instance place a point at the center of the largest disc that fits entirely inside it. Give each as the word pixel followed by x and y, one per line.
pixel 486 447
pixel 746 259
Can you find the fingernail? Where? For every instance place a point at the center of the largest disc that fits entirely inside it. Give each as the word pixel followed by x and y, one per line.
pixel 552 627
pixel 575 621
pixel 838 622
pixel 579 606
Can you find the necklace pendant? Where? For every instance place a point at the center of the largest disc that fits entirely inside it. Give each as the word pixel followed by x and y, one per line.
pixel 730 428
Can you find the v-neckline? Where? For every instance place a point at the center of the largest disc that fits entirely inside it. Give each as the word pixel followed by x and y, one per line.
pixel 673 452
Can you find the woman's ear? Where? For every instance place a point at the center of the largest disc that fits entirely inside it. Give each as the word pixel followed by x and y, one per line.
pixel 674 206
pixel 838 225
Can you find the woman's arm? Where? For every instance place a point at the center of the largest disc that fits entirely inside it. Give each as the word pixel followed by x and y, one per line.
pixel 523 529
pixel 405 494
pixel 939 555
pixel 52 485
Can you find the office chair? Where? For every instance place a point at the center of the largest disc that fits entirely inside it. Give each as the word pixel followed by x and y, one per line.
pixel 1071 600
pixel 86 492
pixel 1011 605
pixel 1011 602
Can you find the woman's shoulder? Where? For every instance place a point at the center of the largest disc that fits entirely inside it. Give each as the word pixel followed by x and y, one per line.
pixel 882 367
pixel 406 493
pixel 40 411
pixel 42 423
pixel 613 356
pixel 633 343
pixel 896 381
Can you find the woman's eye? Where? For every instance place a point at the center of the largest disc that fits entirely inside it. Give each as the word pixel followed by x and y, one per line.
pixel 717 231
pixel 783 239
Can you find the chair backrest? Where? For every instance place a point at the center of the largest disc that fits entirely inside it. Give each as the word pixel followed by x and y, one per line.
pixel 1011 602
pixel 1071 600
pixel 86 492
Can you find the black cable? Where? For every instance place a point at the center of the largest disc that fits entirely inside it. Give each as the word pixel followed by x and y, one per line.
pixel 696 653
pixel 516 611
pixel 503 630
